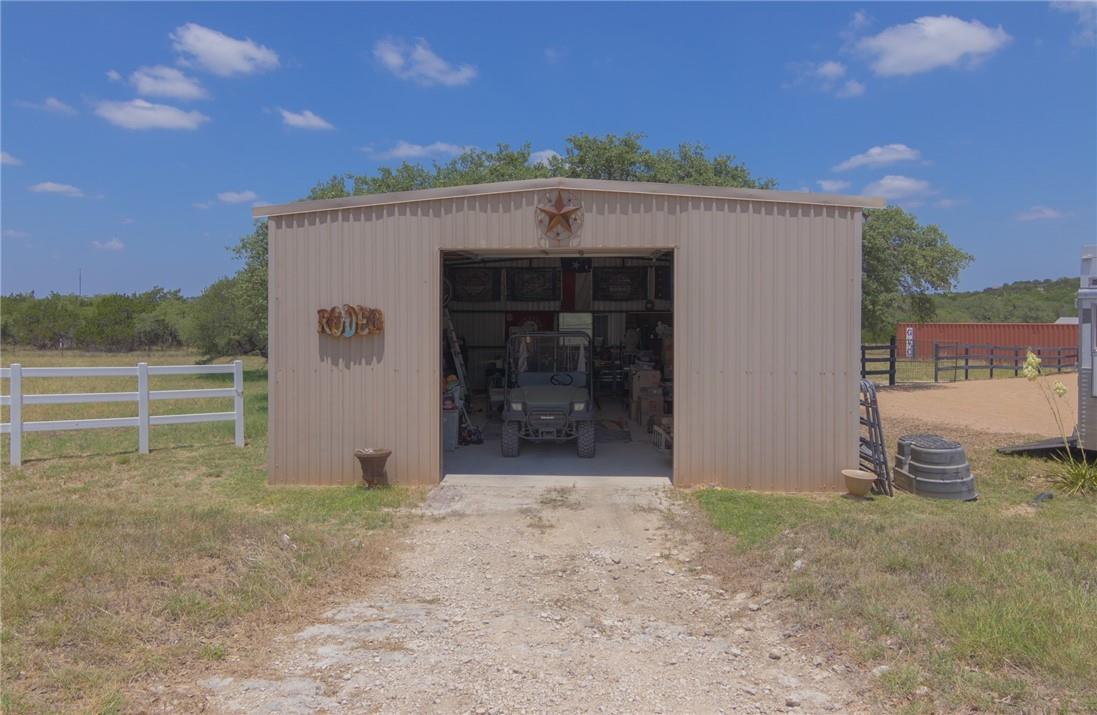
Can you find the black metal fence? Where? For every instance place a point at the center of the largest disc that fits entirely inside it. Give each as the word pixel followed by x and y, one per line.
pixel 873 356
pixel 953 360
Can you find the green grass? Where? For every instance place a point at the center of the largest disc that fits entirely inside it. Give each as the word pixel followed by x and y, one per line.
pixel 992 605
pixel 118 566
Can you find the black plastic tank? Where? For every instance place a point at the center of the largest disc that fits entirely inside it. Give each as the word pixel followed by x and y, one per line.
pixel 930 466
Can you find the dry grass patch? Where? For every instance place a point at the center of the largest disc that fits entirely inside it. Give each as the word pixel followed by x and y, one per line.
pixel 990 605
pixel 560 498
pixel 119 568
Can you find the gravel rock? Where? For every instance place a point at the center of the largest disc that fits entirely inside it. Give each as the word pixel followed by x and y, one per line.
pixel 482 613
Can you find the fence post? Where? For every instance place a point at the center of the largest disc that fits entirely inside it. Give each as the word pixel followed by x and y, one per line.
pixel 238 399
pixel 990 353
pixel 143 407
pixel 1016 361
pixel 15 389
pixel 936 357
pixel 891 362
pixel 967 360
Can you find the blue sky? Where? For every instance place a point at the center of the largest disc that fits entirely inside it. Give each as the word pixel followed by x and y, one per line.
pixel 137 137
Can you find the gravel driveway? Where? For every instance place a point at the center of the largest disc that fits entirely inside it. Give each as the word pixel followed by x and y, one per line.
pixel 543 594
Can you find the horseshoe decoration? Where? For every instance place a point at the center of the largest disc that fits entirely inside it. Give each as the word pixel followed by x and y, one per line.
pixel 363 319
pixel 349 320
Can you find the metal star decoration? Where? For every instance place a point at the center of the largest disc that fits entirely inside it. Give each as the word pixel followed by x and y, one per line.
pixel 560 218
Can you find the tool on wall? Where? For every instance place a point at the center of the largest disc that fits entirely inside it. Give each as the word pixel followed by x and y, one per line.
pixel 469 433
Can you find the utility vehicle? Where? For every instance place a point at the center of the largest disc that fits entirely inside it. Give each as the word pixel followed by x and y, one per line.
pixel 549 391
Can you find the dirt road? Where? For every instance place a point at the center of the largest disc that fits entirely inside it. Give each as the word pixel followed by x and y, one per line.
pixel 1003 406
pixel 534 595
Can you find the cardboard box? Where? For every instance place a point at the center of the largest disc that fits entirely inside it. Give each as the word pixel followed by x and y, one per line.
pixel 644 378
pixel 646 404
pixel 651 412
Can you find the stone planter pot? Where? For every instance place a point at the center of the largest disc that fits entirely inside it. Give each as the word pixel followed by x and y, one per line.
pixel 373 466
pixel 858 482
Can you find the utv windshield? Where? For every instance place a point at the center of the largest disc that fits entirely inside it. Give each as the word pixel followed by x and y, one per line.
pixel 535 358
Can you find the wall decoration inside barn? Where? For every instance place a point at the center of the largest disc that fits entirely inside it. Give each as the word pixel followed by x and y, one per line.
pixel 533 284
pixel 350 320
pixel 476 284
pixel 625 283
pixel 560 216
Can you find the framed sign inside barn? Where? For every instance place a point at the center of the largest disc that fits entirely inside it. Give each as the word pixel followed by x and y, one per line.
pixel 533 284
pixel 476 284
pixel 620 283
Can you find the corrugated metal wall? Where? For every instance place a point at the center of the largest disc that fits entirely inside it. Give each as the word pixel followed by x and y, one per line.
pixel 1017 335
pixel 767 328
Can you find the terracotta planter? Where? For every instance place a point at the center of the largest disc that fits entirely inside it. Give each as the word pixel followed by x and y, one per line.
pixel 373 466
pixel 858 482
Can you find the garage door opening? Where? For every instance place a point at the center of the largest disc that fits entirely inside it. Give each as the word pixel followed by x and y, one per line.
pixel 557 364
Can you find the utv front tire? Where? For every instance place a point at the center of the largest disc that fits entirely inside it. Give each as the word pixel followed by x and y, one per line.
pixel 585 443
pixel 510 439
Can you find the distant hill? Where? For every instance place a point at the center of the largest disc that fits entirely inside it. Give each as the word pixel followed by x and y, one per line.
pixel 1020 302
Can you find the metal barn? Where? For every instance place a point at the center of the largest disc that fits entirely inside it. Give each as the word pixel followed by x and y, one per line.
pixel 762 289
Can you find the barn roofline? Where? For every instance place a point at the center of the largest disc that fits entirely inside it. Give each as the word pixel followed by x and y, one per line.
pixel 618 187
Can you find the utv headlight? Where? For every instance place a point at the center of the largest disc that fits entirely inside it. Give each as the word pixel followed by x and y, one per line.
pixel 578 406
pixel 516 406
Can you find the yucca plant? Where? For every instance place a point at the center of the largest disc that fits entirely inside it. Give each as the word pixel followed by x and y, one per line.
pixel 1073 476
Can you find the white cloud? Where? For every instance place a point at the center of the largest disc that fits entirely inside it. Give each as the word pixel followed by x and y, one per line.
pixel 49 104
pixel 418 63
pixel 161 81
pixel 851 88
pixel 114 75
pixel 947 203
pixel 304 119
pixel 832 185
pixel 202 204
pixel 830 70
pixel 1086 34
pixel 237 197
pixel 15 233
pixel 553 55
pixel 899 188
pixel 829 76
pixel 140 114
pixel 112 245
pixel 880 156
pixel 407 150
pixel 126 221
pixel 931 42
pixel 1039 213
pixel 543 156
pixel 8 160
pixel 220 54
pixel 52 187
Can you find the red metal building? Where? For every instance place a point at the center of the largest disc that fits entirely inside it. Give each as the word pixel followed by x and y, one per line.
pixel 914 341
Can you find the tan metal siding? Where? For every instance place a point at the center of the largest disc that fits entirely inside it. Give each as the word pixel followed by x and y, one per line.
pixel 767 314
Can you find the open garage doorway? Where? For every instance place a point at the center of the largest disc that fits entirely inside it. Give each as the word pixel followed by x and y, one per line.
pixel 557 363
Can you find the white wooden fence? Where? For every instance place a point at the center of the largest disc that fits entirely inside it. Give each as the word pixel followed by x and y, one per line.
pixel 16 399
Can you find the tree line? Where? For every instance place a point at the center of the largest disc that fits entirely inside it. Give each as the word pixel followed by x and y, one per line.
pixel 120 322
pixel 905 263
